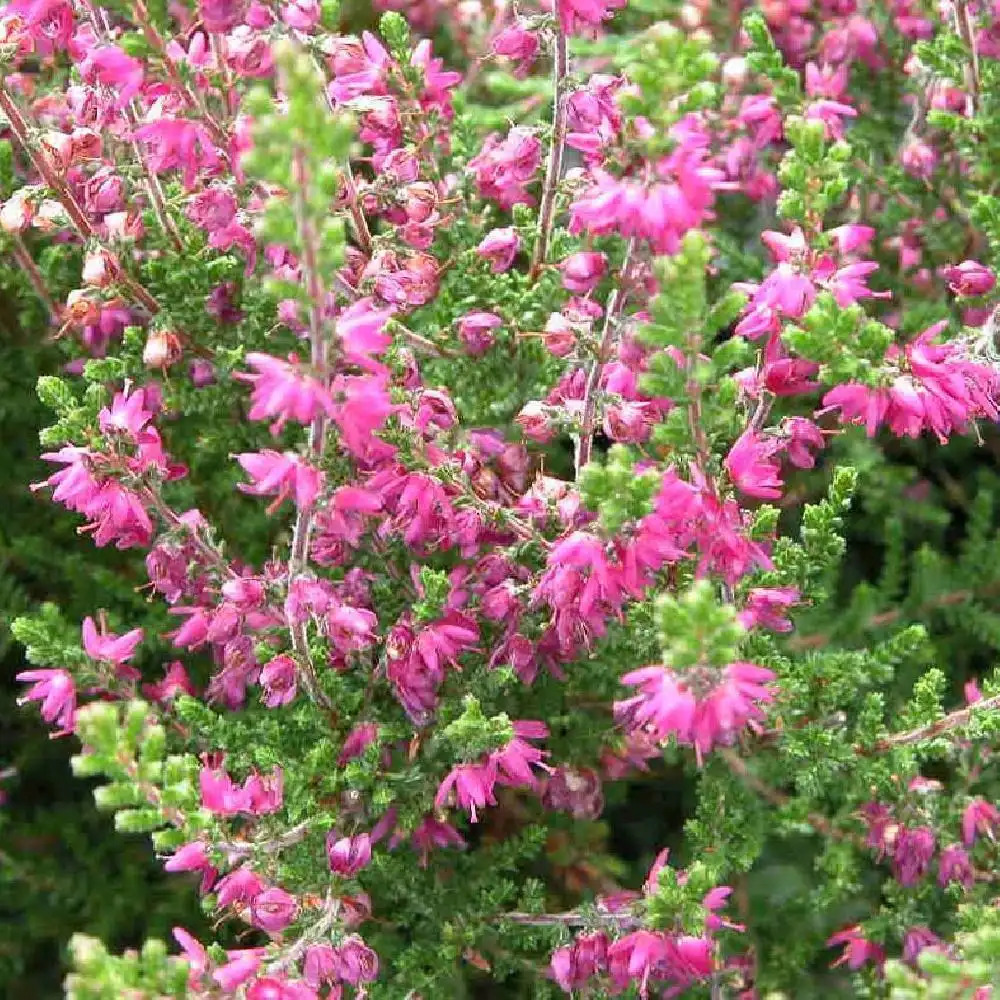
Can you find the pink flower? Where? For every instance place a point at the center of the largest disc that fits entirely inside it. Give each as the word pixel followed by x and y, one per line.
pixel 703 707
pixel 634 957
pixel 178 143
pixel 361 329
pixel 766 607
pixel 751 467
pixel 56 690
pixel 506 166
pixel 348 855
pixel 500 247
pixel 472 785
pixel 574 965
pixel 519 43
pixel 110 67
pixel 107 646
pixel 969 278
pixel 358 963
pixel 979 819
pixel 357 741
pixel 912 853
pixel 272 910
pixel 221 16
pixel 243 963
pixel 954 865
pixel 583 271
pixel 802 434
pixel 281 389
pixel 858 950
pixel 476 330
pixel 514 762
pixel 578 16
pixel 282 476
pixel 278 679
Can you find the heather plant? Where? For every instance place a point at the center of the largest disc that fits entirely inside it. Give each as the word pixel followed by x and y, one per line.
pixel 483 427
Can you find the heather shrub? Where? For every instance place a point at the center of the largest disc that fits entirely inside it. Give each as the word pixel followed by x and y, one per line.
pixel 467 414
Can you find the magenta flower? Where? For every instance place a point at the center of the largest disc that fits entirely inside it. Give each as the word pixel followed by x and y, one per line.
pixel 519 43
pixel 969 278
pixel 361 328
pixel 357 962
pixel 272 910
pixel 110 67
pixel 513 763
pixel 579 16
pixel 500 247
pixel 107 646
pixel 582 271
pixel 283 476
pixel 178 144
pixel 574 965
pixel 954 865
pixel 278 679
pixel 476 330
pixel 979 819
pixel 751 467
pixel 858 950
pixel 348 855
pixel 281 389
pixel 506 165
pixel 472 786
pixel 912 853
pixel 56 690
pixel 668 705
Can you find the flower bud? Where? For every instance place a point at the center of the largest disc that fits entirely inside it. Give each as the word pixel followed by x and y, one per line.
pixel 50 215
pixel 17 212
pixel 162 349
pixel 348 855
pixel 969 278
pixel 100 268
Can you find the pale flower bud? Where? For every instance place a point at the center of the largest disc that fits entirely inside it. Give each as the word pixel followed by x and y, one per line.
pixel 734 72
pixel 162 349
pixel 100 268
pixel 17 213
pixel 50 215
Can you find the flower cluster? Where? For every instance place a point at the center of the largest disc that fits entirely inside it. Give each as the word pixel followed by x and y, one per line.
pixel 525 421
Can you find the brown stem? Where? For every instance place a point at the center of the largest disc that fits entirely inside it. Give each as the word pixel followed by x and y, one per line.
pixel 954 720
pixel 212 555
pixel 30 268
pixel 616 302
pixel 964 28
pixel 57 184
pixel 553 170
pixel 61 190
pixel 360 225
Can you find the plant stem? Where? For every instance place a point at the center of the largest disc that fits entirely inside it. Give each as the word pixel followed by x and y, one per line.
pixel 27 264
pixel 955 720
pixel 319 353
pixel 616 302
pixel 553 170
